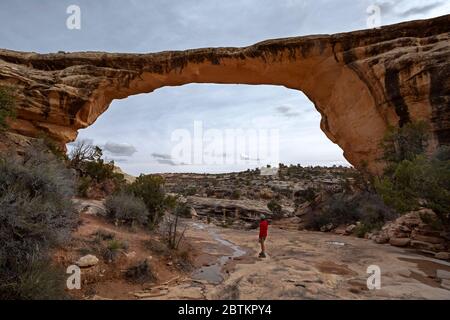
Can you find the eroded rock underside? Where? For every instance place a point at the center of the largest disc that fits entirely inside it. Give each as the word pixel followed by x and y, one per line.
pixel 360 82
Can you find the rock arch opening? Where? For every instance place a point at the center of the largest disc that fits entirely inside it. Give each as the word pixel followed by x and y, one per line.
pixel 139 133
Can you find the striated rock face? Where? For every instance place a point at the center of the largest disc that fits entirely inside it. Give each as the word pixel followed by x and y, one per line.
pixel 360 82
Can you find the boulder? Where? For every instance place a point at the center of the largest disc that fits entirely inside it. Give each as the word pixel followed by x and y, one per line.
pixel 381 238
pixel 399 242
pixel 87 261
pixel 350 229
pixel 327 227
pixel 429 239
pixel 442 274
pixel 426 245
pixel 442 255
pixel 90 206
pixel 193 212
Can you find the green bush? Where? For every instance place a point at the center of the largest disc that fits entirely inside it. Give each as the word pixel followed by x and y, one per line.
pixel 36 215
pixel 406 142
pixel 7 106
pixel 413 182
pixel 102 235
pixel 365 207
pixel 53 147
pixel 274 207
pixel 362 229
pixel 126 208
pixel 236 194
pixel 412 179
pixel 113 248
pixel 92 170
pixel 150 188
pixel 38 280
pixel 183 210
pixel 308 194
pixel 190 191
pixel 101 171
pixel 83 185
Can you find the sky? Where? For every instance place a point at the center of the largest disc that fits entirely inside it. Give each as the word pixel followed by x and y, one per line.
pixel 202 127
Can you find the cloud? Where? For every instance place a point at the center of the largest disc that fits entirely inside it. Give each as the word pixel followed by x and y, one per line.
pixel 119 149
pixel 421 10
pixel 161 156
pixel 404 9
pixel 287 111
pixel 164 159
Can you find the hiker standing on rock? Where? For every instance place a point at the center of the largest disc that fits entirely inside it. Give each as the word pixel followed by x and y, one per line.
pixel 263 226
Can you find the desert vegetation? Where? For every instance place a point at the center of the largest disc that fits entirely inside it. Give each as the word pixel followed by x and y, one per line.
pixel 413 178
pixel 7 106
pixel 95 176
pixel 37 215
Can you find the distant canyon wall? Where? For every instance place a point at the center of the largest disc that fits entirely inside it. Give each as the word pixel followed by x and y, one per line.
pixel 361 82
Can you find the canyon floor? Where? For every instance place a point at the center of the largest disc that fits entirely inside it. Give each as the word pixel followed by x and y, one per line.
pixel 312 265
pixel 300 265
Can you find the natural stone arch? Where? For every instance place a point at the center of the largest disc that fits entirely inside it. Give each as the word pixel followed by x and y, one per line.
pixel 361 82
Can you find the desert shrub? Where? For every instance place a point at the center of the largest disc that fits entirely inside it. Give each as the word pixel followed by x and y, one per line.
pixel 103 235
pixel 406 142
pixel 171 202
pixel 417 182
pixel 190 191
pixel 126 208
pixel 7 106
pixel 100 170
pixel 92 170
pixel 365 207
pixel 274 207
pixel 113 248
pixel 82 152
pixel 171 232
pixel 83 185
pixel 236 194
pixel 38 280
pixel 150 189
pixel 183 210
pixel 183 260
pixel 362 229
pixel 36 214
pixel 413 179
pixel 308 194
pixel 157 247
pixel 434 223
pixel 53 147
pixel 140 273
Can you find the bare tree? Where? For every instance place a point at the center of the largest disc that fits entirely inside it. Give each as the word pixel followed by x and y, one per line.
pixel 83 151
pixel 174 237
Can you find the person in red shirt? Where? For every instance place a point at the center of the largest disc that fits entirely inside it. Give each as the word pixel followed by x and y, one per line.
pixel 263 226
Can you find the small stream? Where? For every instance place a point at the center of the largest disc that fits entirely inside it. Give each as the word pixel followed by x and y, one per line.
pixel 213 273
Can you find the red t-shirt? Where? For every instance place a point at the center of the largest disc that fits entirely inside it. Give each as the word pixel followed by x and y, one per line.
pixel 263 226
